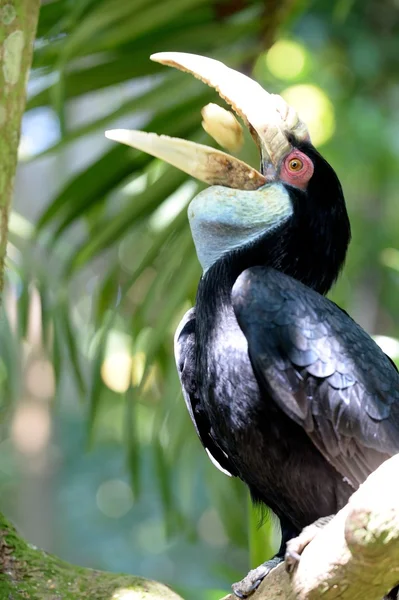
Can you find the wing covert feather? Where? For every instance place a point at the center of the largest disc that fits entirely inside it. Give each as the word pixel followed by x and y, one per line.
pixel 321 369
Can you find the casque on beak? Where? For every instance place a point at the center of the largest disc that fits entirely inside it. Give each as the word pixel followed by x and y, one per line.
pixel 270 120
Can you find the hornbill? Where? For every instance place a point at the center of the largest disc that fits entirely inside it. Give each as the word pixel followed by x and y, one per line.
pixel 284 389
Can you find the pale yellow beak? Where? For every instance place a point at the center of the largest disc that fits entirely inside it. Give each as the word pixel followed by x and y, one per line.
pixel 202 162
pixel 269 118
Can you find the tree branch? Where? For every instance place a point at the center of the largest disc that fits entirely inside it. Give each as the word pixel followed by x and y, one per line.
pixel 26 572
pixel 356 556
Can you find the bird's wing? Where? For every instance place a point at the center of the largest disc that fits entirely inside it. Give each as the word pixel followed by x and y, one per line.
pixel 185 361
pixel 321 369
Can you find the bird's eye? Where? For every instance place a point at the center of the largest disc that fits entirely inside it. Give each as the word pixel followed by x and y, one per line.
pixel 295 164
pixel 297 169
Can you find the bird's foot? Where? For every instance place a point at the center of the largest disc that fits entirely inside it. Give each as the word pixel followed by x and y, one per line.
pixel 247 586
pixel 297 545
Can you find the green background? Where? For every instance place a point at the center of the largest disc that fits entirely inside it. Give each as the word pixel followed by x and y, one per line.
pixel 99 461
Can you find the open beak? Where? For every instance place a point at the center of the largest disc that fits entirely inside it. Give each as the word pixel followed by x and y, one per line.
pixel 270 120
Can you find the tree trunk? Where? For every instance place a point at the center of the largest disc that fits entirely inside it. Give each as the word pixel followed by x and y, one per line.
pixel 18 21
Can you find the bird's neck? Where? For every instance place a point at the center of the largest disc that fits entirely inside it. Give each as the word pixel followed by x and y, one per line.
pixel 215 287
pixel 311 252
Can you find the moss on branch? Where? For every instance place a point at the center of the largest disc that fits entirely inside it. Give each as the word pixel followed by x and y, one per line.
pixel 29 573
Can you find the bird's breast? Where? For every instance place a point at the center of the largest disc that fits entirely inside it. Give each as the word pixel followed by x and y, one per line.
pixel 273 455
pixel 231 389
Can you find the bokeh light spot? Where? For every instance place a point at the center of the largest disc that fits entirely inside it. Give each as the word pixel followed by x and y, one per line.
pixel 31 427
pixel 315 108
pixel 114 498
pixel 40 381
pixel 388 345
pixel 116 371
pixel 286 59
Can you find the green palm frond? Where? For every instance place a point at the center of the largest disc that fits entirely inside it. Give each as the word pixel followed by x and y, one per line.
pixel 118 196
pixel 111 258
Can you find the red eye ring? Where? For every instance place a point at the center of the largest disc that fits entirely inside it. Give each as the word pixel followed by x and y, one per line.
pixel 297 169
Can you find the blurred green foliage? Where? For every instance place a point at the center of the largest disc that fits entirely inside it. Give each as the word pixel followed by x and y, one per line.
pixel 101 271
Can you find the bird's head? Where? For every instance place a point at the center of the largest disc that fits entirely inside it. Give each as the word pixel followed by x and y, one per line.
pixel 290 214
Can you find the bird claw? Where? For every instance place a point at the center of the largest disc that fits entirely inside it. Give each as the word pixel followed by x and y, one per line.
pixel 292 558
pixel 297 545
pixel 250 583
pixel 294 549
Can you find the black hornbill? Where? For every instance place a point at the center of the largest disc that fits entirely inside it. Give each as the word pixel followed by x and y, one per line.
pixel 284 389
